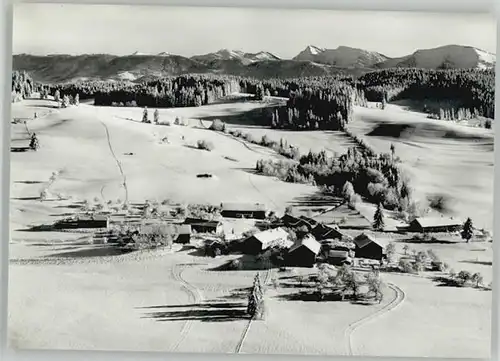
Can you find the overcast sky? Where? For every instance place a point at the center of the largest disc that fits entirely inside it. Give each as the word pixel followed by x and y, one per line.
pixel 113 29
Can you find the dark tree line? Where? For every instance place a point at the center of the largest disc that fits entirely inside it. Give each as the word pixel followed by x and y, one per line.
pixel 313 103
pixel 181 91
pixel 471 89
pixel 22 85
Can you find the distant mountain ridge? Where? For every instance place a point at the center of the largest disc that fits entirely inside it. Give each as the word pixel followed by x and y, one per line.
pixel 342 56
pixel 312 61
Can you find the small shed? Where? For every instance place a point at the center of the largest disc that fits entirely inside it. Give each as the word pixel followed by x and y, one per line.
pixel 434 225
pixel 204 226
pixel 321 232
pixel 367 246
pixel 244 210
pixel 261 241
pixel 338 258
pixel 304 252
pixel 183 234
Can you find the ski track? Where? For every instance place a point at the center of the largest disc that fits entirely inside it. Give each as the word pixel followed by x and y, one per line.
pixel 396 302
pixel 196 297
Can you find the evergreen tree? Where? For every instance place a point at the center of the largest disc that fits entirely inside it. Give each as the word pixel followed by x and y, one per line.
pixel 65 101
pixel 393 151
pixel 467 230
pixel 255 306
pixel 145 118
pixel 57 95
pixel 156 116
pixel 77 99
pixel 378 218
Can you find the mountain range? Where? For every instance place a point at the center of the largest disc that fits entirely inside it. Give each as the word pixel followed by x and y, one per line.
pixel 312 61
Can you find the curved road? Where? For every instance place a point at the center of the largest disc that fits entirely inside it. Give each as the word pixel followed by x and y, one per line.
pixel 396 302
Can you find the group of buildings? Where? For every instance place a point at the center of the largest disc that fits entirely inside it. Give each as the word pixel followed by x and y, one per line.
pixel 316 241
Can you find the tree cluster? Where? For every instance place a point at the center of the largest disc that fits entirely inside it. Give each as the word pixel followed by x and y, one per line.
pixel 376 178
pixel 313 103
pixel 471 90
pixel 22 85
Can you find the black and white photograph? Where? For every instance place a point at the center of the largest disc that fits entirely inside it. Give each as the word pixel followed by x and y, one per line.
pixel 251 180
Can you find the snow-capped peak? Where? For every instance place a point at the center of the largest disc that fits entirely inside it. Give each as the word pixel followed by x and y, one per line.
pixel 447 56
pixel 229 54
pixel 138 53
pixel 314 49
pixel 163 53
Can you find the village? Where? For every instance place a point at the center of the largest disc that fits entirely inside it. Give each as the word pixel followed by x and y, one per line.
pixel 297 238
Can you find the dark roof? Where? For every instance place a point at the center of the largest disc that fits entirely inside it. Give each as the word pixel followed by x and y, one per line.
pixel 201 222
pixel 245 207
pixel 310 221
pixel 325 231
pixel 364 239
pixel 428 222
pixel 89 218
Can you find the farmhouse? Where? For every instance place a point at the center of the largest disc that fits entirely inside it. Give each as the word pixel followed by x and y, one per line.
pixel 263 240
pixel 321 232
pixel 183 234
pixel 204 226
pixel 304 252
pixel 434 224
pixel 369 247
pixel 244 210
pixel 83 222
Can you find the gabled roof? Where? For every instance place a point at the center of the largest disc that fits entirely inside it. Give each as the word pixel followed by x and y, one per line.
pixel 436 222
pixel 271 235
pixel 245 207
pixel 309 242
pixel 309 221
pixel 364 239
pixel 325 232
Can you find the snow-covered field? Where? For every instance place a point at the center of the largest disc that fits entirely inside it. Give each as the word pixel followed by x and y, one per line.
pixel 174 301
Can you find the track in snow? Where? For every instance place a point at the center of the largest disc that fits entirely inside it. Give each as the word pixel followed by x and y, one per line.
pixel 396 302
pixel 196 297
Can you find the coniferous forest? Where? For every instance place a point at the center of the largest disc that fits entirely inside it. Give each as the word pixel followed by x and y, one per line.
pixel 471 89
pixel 313 102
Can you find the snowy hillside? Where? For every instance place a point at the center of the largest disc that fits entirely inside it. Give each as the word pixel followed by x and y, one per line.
pixel 343 56
pixel 449 56
pixel 226 54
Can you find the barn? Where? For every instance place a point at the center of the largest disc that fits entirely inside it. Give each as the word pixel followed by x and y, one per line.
pixel 321 232
pixel 83 222
pixel 304 252
pixel 204 226
pixel 367 246
pixel 434 225
pixel 263 240
pixel 244 210
pixel 183 234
